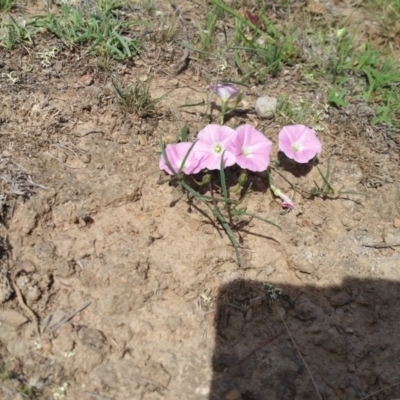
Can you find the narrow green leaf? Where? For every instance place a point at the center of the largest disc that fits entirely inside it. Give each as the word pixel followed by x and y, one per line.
pixel 222 176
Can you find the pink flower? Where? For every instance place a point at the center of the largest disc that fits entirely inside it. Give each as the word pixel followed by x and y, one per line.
pixel 299 143
pixel 252 148
pixel 225 91
pixel 213 140
pixel 175 154
pixel 286 200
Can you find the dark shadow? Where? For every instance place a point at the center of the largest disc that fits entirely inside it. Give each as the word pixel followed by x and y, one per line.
pixel 298 170
pixel 257 180
pixel 349 336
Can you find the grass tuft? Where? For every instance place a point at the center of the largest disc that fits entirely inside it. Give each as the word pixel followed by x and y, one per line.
pixel 106 35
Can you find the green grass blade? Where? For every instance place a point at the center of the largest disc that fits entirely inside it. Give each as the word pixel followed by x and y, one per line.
pixel 164 155
pixel 240 17
pixel 187 155
pixel 230 234
pixel 260 218
pixel 223 178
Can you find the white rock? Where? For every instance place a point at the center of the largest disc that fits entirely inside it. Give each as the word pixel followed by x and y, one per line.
pixel 266 106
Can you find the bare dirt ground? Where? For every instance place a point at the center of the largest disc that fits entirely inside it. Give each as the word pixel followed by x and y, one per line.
pixel 113 289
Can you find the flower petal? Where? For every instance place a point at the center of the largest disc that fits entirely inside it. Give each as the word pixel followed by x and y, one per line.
pixel 252 149
pixel 208 138
pixel 175 154
pixel 299 143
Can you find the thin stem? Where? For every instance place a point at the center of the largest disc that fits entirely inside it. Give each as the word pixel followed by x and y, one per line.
pixel 298 350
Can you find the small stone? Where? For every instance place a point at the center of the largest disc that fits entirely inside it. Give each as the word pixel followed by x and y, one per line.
pixel 231 276
pixel 85 157
pixel 121 138
pixel 305 267
pixel 64 268
pixel 269 270
pixel 24 265
pixel 46 345
pixel 13 318
pixel 266 106
pixel 87 80
pixel 203 390
pixel 396 222
pixel 317 221
pixel 340 299
pixel 233 394
pixel 33 293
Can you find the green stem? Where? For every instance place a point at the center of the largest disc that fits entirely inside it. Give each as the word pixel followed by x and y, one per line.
pixel 224 106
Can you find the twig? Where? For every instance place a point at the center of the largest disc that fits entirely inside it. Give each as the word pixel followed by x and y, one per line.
pixel 54 327
pixel 184 59
pixel 382 245
pixel 150 381
pixel 36 184
pixel 380 390
pixel 260 346
pixel 96 396
pixel 89 133
pixel 32 316
pixel 62 162
pixel 298 350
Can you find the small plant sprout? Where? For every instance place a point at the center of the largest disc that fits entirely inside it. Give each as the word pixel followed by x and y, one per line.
pixel 299 143
pixel 213 141
pixel 252 149
pixel 226 92
pixel 180 159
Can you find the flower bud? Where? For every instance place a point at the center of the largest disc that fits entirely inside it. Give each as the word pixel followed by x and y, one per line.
pixel 206 179
pixel 242 179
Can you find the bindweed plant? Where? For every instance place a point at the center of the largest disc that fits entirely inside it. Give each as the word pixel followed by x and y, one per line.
pixel 215 149
pixel 219 147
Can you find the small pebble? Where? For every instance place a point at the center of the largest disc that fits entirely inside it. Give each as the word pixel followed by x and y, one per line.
pixel 46 345
pixel 86 80
pixel 233 394
pixel 13 318
pixel 269 270
pixel 266 106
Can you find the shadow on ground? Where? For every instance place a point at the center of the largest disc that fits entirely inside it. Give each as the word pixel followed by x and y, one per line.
pixel 349 337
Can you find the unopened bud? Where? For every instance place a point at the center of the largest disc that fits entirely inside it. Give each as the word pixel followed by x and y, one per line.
pixel 242 179
pixel 206 179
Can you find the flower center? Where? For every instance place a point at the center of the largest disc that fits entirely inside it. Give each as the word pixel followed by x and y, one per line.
pixel 296 147
pixel 217 148
pixel 246 151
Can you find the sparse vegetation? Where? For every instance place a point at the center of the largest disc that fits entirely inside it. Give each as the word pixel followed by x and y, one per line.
pixel 88 89
pixel 6 5
pixel 104 33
